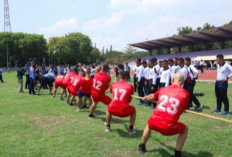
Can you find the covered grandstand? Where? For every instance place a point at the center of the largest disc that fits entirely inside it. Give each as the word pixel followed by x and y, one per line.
pixel 218 34
pixel 215 35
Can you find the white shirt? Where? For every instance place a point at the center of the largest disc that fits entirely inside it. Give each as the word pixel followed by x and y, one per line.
pixel 136 71
pixel 140 73
pixel 157 68
pixel 152 75
pixel 177 68
pixel 184 71
pixel 165 77
pixel 92 73
pixel 146 72
pixel 192 71
pixel 223 72
pixel 172 70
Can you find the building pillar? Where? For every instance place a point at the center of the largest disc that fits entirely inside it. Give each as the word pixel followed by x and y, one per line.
pixel 179 49
pixel 169 50
pixel 223 45
pixel 191 47
pixel 159 51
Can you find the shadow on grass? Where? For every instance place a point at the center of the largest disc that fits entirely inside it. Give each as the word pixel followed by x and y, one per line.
pixel 113 121
pixel 205 107
pixel 165 153
pixel 124 133
pixel 98 112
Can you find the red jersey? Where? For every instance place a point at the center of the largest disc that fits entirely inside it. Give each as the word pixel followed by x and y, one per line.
pixel 86 85
pixel 75 84
pixel 59 79
pixel 66 79
pixel 100 84
pixel 172 101
pixel 121 92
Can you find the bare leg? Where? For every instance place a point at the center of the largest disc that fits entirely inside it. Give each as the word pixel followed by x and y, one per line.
pixel 146 135
pixel 68 95
pixel 61 94
pixel 108 118
pixel 181 139
pixel 71 101
pixel 108 121
pixel 54 92
pixel 90 101
pixel 92 108
pixel 85 100
pixel 132 118
pixel 79 102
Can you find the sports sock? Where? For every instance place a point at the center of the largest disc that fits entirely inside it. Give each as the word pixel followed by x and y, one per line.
pixel 177 153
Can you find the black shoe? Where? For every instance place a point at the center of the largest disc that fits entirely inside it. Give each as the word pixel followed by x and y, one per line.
pixel 84 106
pixel 92 116
pixel 142 148
pixel 177 153
pixel 71 104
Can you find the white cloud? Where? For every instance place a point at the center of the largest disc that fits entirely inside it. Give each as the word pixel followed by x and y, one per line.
pixel 104 22
pixel 159 27
pixel 61 27
pixel 137 6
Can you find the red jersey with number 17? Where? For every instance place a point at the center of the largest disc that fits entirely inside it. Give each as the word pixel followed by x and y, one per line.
pixel 172 101
pixel 121 92
pixel 100 84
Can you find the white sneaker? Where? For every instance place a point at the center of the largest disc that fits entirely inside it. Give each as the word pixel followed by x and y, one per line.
pixel 107 130
pixel 132 132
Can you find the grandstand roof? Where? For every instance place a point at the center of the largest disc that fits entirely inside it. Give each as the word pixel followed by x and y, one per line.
pixel 218 34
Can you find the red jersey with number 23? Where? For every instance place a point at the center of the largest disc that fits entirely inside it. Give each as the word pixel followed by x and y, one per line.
pixel 100 84
pixel 172 101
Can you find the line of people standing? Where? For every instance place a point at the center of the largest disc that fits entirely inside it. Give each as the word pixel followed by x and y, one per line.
pixel 153 75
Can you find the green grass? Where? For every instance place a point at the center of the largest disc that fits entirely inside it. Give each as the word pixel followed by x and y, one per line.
pixel 44 126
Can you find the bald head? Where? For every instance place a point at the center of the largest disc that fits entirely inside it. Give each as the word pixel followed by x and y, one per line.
pixel 178 79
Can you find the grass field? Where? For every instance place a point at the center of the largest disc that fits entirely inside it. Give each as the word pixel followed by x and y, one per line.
pixel 45 126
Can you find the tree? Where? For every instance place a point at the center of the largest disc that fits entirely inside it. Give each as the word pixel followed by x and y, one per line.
pixel 207 26
pixel 111 48
pixel 22 46
pixel 184 30
pixel 130 50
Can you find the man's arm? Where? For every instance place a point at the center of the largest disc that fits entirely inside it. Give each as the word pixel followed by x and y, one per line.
pixel 168 78
pixel 139 74
pixel 151 97
pixel 230 69
pixel 195 71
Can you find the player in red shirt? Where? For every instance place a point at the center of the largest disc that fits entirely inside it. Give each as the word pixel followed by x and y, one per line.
pixel 73 86
pixel 65 83
pixel 101 82
pixel 58 83
pixel 119 105
pixel 85 89
pixel 172 102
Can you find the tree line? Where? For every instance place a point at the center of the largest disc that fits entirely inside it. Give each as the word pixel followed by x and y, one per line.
pixel 77 47
pixel 69 49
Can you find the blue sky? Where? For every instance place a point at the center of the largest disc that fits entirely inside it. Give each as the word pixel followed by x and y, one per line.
pixel 114 22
